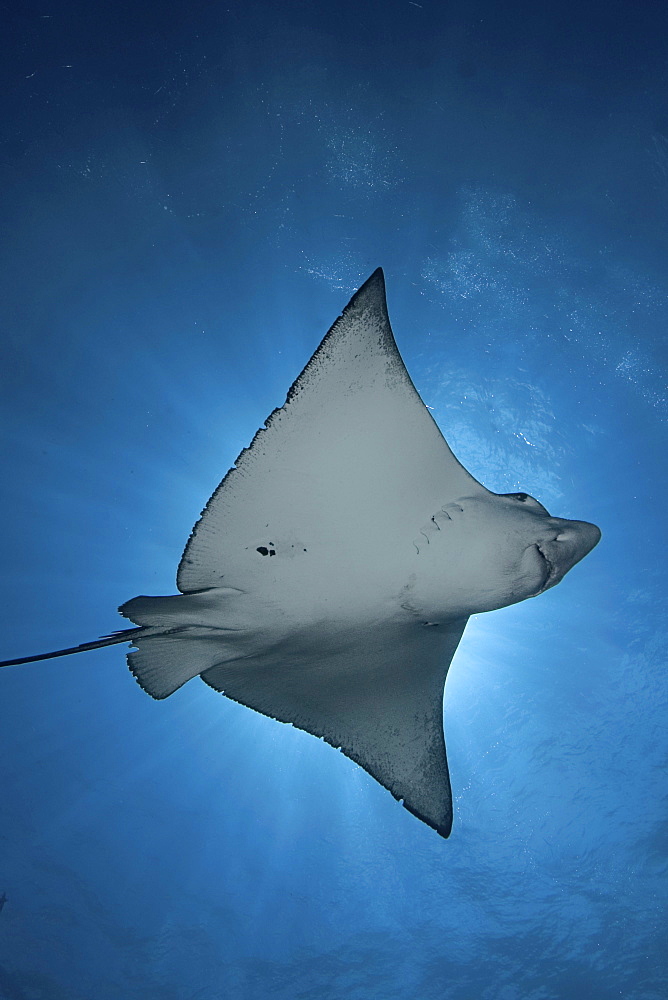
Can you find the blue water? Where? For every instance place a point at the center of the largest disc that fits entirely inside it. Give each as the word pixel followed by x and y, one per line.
pixel 191 192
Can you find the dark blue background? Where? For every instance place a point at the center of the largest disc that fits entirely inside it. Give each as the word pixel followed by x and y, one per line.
pixel 191 192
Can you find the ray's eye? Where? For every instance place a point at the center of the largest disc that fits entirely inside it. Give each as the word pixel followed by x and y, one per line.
pixel 526 498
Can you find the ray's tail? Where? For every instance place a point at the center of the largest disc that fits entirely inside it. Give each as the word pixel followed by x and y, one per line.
pixel 125 635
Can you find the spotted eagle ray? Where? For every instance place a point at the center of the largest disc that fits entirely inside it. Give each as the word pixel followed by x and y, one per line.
pixel 331 575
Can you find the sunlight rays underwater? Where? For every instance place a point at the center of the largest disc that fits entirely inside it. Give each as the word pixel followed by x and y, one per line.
pixel 181 175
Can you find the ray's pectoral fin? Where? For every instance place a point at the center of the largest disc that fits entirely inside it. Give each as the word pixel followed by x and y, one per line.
pixel 378 698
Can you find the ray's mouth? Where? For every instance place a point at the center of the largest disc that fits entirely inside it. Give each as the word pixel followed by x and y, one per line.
pixel 550 569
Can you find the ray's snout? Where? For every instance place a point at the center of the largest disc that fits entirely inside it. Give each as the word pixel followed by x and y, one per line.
pixel 572 542
pixel 581 536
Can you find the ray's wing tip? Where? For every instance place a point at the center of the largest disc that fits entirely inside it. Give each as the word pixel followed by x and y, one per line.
pixel 373 289
pixel 443 828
